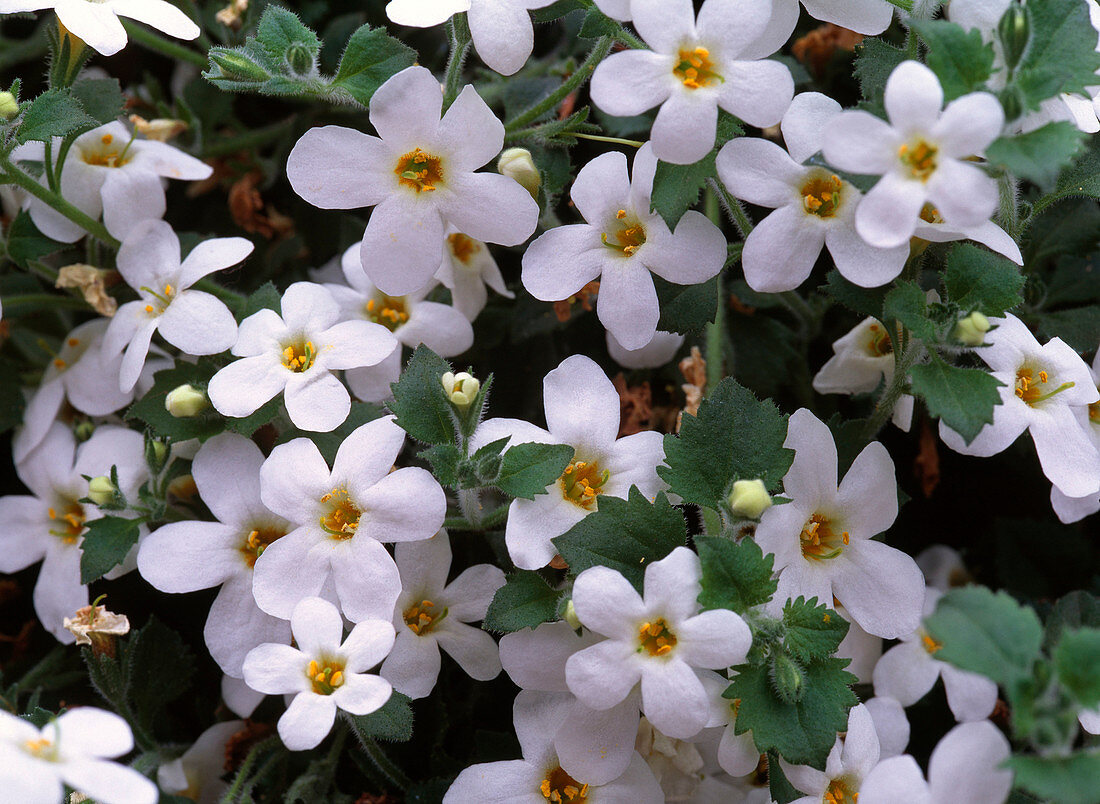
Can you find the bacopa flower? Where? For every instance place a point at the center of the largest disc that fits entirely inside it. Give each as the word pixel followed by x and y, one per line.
pixel 922 155
pixel 325 672
pixel 467 269
pixel 849 763
pixel 693 67
pixel 419 176
pixel 621 243
pixel 295 353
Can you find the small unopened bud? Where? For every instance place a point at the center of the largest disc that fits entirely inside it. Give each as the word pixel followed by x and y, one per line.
pixel 101 490
pixel 237 67
pixel 461 388
pixel 83 430
pixel 516 163
pixel 159 452
pixel 788 678
pixel 300 59
pixel 570 615
pixel 186 401
pixel 749 498
pixel 971 330
pixel 9 106
pixel 95 626
pixel 1014 31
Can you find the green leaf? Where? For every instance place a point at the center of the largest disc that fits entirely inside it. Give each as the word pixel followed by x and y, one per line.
pixel 392 723
pixel 875 60
pixel 1079 327
pixel 803 733
pixel 686 309
pixel 105 545
pixel 977 279
pixel 1066 780
pixel 370 58
pixel 865 301
pixel 329 443
pixel 813 631
pixel 419 402
pixel 597 24
pixel 733 437
pixel 1061 54
pixel 779 787
pixel 101 98
pixel 54 113
pixel 160 667
pixel 676 188
pixel 1075 610
pixel 280 28
pixel 1082 178
pixel 445 460
pixel 266 297
pixel 960 59
pixel 906 304
pixel 530 469
pixel 1077 662
pixel 1038 156
pixel 986 632
pixel 735 576
pixel 963 397
pixel 524 601
pixel 625 535
pixel 26 243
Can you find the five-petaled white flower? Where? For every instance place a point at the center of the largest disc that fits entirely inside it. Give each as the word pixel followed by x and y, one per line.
pixel 848 764
pixel 97 22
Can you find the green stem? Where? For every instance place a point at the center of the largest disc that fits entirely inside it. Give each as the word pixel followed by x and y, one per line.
pixel 734 211
pixel 912 44
pixel 491 519
pixel 242 773
pixel 393 774
pixel 458 32
pixel 571 84
pixel 230 297
pixel 715 329
pixel 469 500
pixel 159 44
pixel 614 140
pixel 10 173
pixel 49 167
pixel 884 407
pixel 45 301
pixel 1009 212
pixel 248 141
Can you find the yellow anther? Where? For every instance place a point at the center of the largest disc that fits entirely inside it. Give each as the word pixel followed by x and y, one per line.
pixel 920 159
pixel 314 669
pixel 695 69
pixel 620 214
pixel 545 787
pixel 655 638
pixel 148 308
pixel 52 513
pixel 1043 376
pixel 59 363
pixel 930 644
pixel 819 541
pixel 389 311
pixel 337 678
pixel 73 341
pixel 821 194
pixel 343 517
pixel 106 139
pixel 419 171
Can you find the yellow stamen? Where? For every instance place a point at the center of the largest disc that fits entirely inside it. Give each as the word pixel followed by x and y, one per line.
pixel 655 638
pixel 819 541
pixel 582 481
pixel 419 171
pixel 695 69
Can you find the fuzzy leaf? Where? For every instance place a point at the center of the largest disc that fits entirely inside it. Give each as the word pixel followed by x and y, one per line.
pixel 160 667
pixel 963 397
pixel 524 601
pixel 735 576
pixel 26 243
pixel 813 631
pixel 54 113
pixel 865 301
pixel 686 309
pixel 105 545
pixel 370 58
pixel 959 58
pixel 266 297
pixel 419 401
pixel 1061 53
pixel 906 304
pixel 280 28
pixel 392 723
pixel 1075 610
pixel 1038 156
pixel 1079 327
pixel 1064 779
pixel 101 98
pixel 977 279
pixel 1077 662
pixel 530 469
pixel 875 60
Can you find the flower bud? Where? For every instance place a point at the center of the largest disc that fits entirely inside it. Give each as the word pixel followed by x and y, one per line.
pixel 749 498
pixel 101 490
pixel 516 163
pixel 300 59
pixel 971 330
pixel 570 615
pixel 236 67
pixel 83 430
pixel 1014 32
pixel 9 106
pixel 788 678
pixel 186 401
pixel 461 388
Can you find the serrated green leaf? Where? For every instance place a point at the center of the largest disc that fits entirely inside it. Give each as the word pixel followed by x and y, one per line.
pixel 1082 178
pixel 959 58
pixel 444 459
pixel 105 545
pixel 625 535
pixel 802 733
pixel 977 279
pixel 392 723
pixel 160 667
pixel 986 632
pixel 735 576
pixel 101 98
pixel 54 113
pixel 530 469
pixel 266 297
pixel 1061 53
pixel 734 436
pixel 686 309
pixel 26 243
pixel 875 60
pixel 597 24
pixel 676 188
pixel 1077 662
pixel 280 28
pixel 1066 780
pixel 813 631
pixel 370 58
pixel 419 402
pixel 963 398
pixel 906 304
pixel 525 601
pixel 865 301
pixel 1037 156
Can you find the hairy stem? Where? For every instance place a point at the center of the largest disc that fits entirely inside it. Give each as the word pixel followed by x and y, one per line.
pixel 573 82
pixel 159 44
pixel 9 173
pixel 458 31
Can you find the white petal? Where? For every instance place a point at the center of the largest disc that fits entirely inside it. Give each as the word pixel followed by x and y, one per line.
pixel 781 251
pixel 891 725
pixel 241 387
pixel 663 24
pixel 407 107
pixel 413 664
pixel 533 523
pixel 109 782
pixel 129 197
pixel 759 171
pixel 491 208
pixel 906 673
pixel 406 505
pixel 581 404
pixel 307 721
pixel 673 698
pixel 316 401
pixel 694 253
pixel 868 493
pixel 198 323
pixel 812 476
pixel 601 188
pixel 861 263
pixel 186 556
pixel 604 674
pixel 737 24
pixel 896 779
pixel 157 14
pixel 804 122
pixel 964 765
pixel 627 304
pixel 291 568
pixel 859 142
pixel 213 255
pixel 403 243
pixel 888 215
pixel 758 92
pixel 562 261
pixel 882 588
pixel 963 194
pixel 441 328
pixel 632 81
pixel 473 649
pixel 684 130
pixel 716 639
pixel 597 745
pixel 606 603
pixel 367 580
pixel 333 167
pixel 970 696
pixel 276 669
pixel 95 24
pixel 503 35
pixel 968 125
pixel 913 98
pixel 317 626
pixel 362 694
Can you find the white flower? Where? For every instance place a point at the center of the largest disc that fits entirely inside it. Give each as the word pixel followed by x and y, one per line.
pixel 197 774
pixel 622 241
pixel 582 410
pixel 343 515
pixel 97 21
pixel 419 176
pixel 295 354
pixel 1090 720
pixel 654 354
pixel 324 673
pixel 539 777
pixel 109 171
pixel 1046 390
pixel 814 207
pixel 932 228
pixel 922 155
pixel 191 320
pixel 862 648
pixel 694 67
pixel 467 268
pixel 73 750
pixel 891 725
pixel 943 567
pixel 192 555
pixel 862 16
pixel 822 538
pixel 737 753
pixel 240 698
pixel 848 764
pixel 908 671
pixel 432 614
pixel 656 641
pixel 501 29
pixel 1072 509
pixel 48 525
pixel 965 766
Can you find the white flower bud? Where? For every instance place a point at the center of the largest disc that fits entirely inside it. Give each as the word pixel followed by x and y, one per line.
pixel 186 401
pixel 971 330
pixel 9 106
pixel 101 490
pixel 516 163
pixel 570 615
pixel 461 388
pixel 749 498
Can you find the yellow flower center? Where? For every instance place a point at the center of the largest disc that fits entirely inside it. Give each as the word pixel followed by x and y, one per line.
pixel 655 638
pixel 326 675
pixel 299 356
pixel 342 520
pixel 627 235
pixel 423 617
pixel 879 345
pixel 819 541
pixel 257 541
pixel 41 748
pixel 462 247
pixel 929 214
pixel 920 159
pixel 419 171
pixel 164 298
pixel 389 311
pixel 106 153
pixel 558 787
pixel 582 482
pixel 840 792
pixel 695 69
pixel 1030 386
pixel 70 522
pixel 821 195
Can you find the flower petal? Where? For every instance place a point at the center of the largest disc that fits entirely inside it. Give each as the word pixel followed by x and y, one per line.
pixel 333 167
